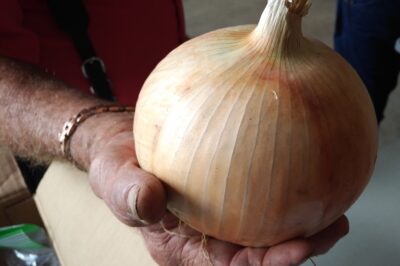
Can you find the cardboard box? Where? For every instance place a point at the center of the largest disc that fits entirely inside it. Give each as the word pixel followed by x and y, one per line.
pixel 16 203
pixel 83 229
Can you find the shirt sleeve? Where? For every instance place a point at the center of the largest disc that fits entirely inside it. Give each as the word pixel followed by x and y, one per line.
pixel 16 41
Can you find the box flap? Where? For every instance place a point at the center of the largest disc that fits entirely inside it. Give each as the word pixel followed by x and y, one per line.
pixel 83 229
pixel 12 184
pixel 16 204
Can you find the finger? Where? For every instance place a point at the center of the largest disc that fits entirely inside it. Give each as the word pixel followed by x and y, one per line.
pixel 169 226
pixel 237 255
pixel 173 243
pixel 324 240
pixel 293 252
pixel 223 253
pixel 136 197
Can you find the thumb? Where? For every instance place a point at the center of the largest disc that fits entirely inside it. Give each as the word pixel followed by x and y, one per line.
pixel 136 197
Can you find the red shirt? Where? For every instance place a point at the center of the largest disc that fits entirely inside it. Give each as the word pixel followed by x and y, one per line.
pixel 131 36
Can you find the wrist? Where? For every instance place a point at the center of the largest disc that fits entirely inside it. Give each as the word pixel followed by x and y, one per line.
pixel 95 133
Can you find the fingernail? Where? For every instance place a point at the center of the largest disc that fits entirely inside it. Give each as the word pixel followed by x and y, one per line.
pixel 132 203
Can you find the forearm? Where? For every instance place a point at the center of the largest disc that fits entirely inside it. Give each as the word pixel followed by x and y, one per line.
pixel 33 109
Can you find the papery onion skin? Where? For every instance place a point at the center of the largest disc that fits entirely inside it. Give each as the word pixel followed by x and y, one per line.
pixel 259 134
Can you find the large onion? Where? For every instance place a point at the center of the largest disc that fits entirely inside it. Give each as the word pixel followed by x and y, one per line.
pixel 259 134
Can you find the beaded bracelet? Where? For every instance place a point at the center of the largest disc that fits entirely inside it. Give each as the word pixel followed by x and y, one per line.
pixel 72 124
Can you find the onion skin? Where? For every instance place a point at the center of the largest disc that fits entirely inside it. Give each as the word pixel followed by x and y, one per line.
pixel 260 134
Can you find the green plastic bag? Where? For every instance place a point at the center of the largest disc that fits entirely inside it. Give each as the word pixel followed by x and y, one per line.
pixel 26 245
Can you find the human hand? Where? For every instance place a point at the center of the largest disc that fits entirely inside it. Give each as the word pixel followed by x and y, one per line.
pixel 138 198
pixel 171 243
pixel 103 145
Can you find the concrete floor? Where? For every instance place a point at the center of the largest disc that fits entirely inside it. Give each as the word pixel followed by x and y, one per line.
pixel 374 238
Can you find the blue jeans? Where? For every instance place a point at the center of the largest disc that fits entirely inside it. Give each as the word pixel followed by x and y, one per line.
pixel 365 35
